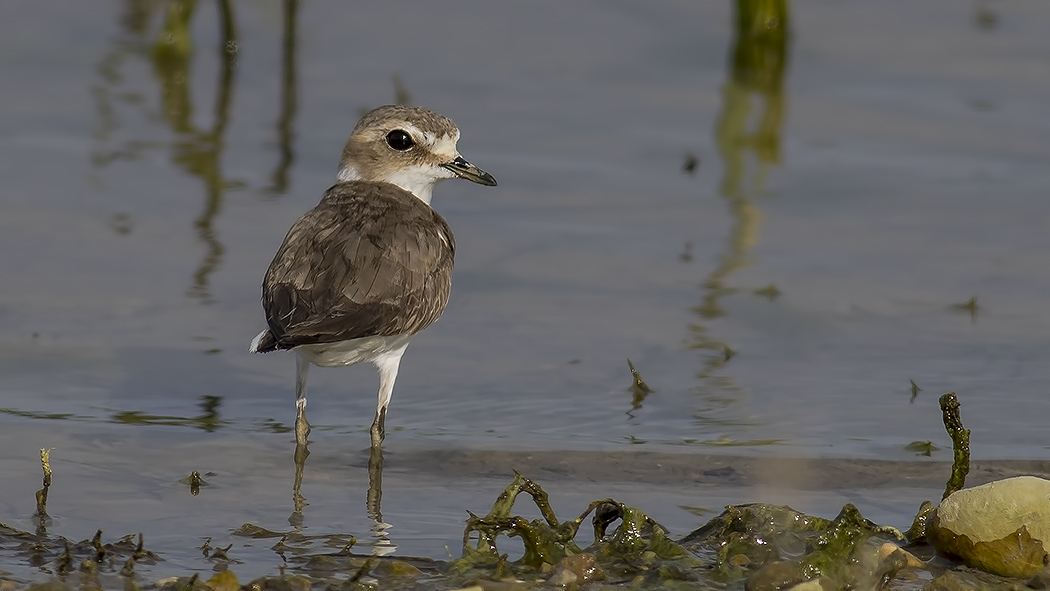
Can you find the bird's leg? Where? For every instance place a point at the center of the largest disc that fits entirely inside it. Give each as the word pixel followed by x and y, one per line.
pixel 387 364
pixel 302 427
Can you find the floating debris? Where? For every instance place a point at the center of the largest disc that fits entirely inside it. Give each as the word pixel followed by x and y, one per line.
pixel 691 164
pixel 727 353
pixel 922 448
pixel 220 553
pixel 969 306
pixel 639 389
pixel 698 511
pixel 195 481
pixel 771 292
pixel 687 252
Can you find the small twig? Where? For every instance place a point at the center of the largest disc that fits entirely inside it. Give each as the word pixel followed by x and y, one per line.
pixel 140 550
pixel 639 389
pixel 960 443
pixel 129 568
pixel 65 559
pixel 915 389
pixel 45 459
pixel 96 542
pixel 364 570
pixel 220 553
pixel 41 515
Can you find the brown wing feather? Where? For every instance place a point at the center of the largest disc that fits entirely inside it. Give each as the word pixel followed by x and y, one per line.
pixel 370 260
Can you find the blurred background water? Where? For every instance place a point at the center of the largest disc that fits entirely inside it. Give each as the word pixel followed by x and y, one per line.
pixel 801 222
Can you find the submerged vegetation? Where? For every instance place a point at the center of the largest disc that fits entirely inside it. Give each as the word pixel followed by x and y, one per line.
pixel 746 543
pixel 754 547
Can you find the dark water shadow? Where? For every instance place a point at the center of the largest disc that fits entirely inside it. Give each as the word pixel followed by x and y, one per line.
pixel 747 134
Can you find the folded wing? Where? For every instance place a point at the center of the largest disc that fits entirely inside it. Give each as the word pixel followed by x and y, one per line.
pixel 369 260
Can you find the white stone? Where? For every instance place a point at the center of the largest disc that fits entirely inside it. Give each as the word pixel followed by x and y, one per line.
pixel 995 510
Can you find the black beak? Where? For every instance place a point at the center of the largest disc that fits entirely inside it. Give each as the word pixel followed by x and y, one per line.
pixel 466 170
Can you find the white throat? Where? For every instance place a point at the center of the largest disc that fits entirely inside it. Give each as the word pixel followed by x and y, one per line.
pixel 418 180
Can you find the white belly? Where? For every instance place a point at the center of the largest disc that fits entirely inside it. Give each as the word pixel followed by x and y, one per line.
pixel 352 351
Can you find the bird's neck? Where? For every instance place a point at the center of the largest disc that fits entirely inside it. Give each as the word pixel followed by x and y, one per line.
pixel 414 181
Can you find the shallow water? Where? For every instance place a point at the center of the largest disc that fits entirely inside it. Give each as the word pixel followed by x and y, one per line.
pixel 896 167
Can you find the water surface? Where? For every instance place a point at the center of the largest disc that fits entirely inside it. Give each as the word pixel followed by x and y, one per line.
pixel 778 248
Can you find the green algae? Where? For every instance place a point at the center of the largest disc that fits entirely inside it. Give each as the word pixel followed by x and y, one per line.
pixel 636 547
pixel 773 547
pixel 922 448
pixel 753 543
pixel 960 443
pixel 919 525
pixel 754 547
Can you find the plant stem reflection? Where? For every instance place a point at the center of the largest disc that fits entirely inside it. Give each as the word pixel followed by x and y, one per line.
pixel 748 141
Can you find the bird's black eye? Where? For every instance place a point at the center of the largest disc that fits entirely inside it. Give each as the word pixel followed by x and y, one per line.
pixel 399 140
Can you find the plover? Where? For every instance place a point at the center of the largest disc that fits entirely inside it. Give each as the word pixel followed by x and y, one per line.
pixel 371 265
